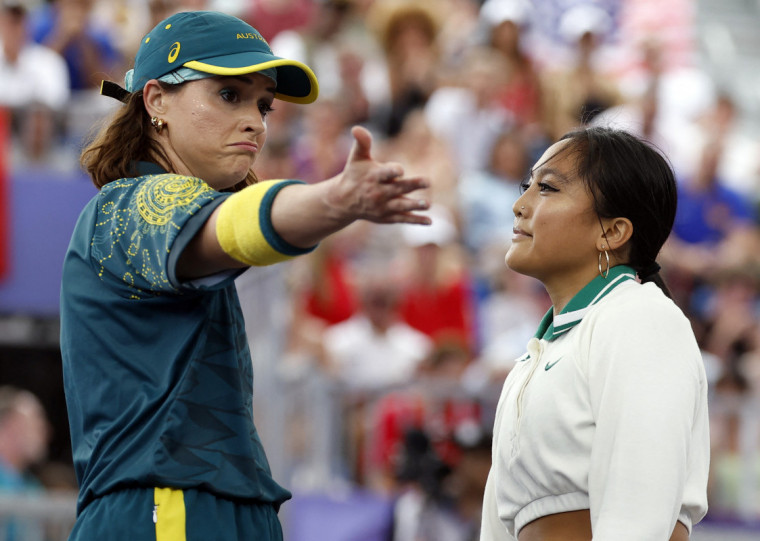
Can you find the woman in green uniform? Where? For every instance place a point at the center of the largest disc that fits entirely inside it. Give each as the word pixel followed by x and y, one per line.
pixel 157 369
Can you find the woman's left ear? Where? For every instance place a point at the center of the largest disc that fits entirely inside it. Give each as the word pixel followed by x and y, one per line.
pixel 153 98
pixel 616 232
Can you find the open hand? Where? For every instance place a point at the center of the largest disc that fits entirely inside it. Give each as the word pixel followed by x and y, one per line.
pixel 375 191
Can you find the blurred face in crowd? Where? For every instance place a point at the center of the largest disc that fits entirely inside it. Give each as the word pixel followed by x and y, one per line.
pixel 12 32
pixel 215 127
pixel 506 37
pixel 509 157
pixel 380 303
pixel 35 433
pixel 556 229
pixel 26 429
pixel 412 32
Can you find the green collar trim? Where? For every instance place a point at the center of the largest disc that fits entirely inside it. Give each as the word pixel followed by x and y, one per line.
pixel 598 288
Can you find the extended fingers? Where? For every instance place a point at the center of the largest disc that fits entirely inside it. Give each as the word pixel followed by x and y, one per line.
pixel 400 185
pixel 389 172
pixel 408 204
pixel 404 209
pixel 395 200
pixel 410 218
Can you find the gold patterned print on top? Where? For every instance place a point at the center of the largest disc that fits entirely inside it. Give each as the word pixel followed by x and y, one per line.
pixel 157 200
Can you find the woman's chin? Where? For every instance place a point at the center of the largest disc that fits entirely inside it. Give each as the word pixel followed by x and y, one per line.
pixel 511 259
pixel 514 263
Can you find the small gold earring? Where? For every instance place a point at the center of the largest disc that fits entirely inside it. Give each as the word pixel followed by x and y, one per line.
pixel 157 123
pixel 607 257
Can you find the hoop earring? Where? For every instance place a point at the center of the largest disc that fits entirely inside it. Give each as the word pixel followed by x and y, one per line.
pixel 157 123
pixel 607 270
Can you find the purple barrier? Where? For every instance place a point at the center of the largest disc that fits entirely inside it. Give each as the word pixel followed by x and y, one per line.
pixel 361 516
pixel 44 207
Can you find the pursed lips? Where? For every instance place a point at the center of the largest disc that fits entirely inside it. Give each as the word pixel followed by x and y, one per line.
pixel 247 145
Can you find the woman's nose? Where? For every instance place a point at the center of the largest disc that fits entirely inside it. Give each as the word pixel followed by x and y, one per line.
pixel 255 123
pixel 519 206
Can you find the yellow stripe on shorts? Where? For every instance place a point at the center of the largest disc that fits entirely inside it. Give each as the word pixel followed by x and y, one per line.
pixel 169 514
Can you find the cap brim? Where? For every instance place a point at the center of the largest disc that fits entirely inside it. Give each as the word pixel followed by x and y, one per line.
pixel 295 81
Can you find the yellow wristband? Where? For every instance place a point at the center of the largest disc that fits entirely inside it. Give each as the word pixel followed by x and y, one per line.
pixel 244 226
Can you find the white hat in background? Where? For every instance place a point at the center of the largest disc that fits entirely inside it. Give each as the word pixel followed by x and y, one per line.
pixel 440 233
pixel 583 18
pixel 495 12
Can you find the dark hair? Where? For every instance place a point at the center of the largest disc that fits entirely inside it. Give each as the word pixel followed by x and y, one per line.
pixel 127 139
pixel 628 177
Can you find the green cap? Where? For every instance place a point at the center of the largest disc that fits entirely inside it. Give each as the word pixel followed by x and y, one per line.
pixel 219 44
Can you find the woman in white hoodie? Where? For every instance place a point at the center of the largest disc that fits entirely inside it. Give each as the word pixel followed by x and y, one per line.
pixel 601 431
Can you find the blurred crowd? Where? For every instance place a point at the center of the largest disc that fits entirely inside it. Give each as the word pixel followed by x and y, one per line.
pixel 418 326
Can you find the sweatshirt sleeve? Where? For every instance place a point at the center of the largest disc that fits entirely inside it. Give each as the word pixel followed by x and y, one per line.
pixel 649 400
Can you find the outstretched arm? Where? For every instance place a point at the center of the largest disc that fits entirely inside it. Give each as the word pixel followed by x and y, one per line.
pixel 302 214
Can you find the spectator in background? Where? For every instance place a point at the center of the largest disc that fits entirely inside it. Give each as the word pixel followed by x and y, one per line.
pixel 323 292
pixel 34 86
pixel 158 10
pixel 321 149
pixel 715 227
pixel 344 55
pixel 573 96
pixel 466 113
pixel 24 438
pixel 369 354
pixel 29 73
pixel 507 318
pixel 65 26
pixel 425 510
pixel 468 480
pixel 438 295
pixel 89 48
pixel 408 34
pixel 331 294
pixel 731 334
pixel 460 22
pixel 274 16
pixel 438 501
pixel 375 350
pixel 708 211
pixel 484 194
pixel 434 401
pixel 728 320
pixel 645 112
pixel 506 22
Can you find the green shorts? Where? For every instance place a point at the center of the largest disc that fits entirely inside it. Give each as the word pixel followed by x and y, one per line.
pixel 166 514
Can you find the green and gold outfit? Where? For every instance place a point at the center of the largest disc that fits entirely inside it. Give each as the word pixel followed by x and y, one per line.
pixel 157 372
